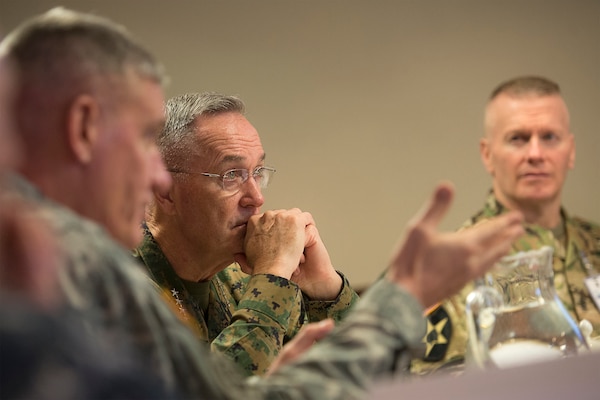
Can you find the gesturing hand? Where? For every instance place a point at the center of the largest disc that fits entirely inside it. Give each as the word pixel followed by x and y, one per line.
pixel 433 265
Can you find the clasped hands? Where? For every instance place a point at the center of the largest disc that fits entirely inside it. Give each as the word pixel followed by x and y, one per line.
pixel 286 243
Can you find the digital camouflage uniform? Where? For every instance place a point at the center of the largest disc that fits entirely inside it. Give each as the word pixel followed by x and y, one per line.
pixel 247 318
pixel 576 256
pixel 119 303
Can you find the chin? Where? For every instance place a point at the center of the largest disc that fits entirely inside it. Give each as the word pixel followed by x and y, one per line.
pixel 537 198
pixel 132 240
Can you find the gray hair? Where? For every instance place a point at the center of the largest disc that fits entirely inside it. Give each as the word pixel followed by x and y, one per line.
pixel 72 52
pixel 182 112
pixel 526 85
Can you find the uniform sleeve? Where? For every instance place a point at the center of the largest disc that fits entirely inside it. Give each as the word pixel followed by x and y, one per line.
pixel 267 310
pixel 384 327
pixel 446 337
pixel 336 309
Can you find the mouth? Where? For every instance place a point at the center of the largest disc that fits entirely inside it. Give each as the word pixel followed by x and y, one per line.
pixel 534 175
pixel 240 226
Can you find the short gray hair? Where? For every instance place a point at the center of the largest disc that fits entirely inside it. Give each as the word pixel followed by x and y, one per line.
pixel 71 51
pixel 182 112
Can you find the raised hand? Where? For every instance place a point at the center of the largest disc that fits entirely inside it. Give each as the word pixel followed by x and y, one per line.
pixel 433 265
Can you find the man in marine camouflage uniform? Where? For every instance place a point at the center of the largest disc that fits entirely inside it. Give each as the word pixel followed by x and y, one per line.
pixel 528 149
pixel 195 230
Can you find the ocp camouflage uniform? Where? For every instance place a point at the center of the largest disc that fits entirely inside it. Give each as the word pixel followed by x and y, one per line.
pixel 119 303
pixel 576 256
pixel 247 318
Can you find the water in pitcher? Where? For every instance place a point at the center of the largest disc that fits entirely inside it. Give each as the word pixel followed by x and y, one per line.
pixel 514 315
pixel 535 333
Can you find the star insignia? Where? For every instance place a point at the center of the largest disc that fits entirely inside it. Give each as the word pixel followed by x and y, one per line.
pixel 437 338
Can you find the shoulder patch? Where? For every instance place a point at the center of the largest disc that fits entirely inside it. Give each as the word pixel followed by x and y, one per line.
pixel 439 331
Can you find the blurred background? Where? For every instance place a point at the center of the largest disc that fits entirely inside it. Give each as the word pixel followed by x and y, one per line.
pixel 363 106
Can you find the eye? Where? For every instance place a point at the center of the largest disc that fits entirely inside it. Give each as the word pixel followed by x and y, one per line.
pixel 230 175
pixel 550 137
pixel 259 172
pixel 518 138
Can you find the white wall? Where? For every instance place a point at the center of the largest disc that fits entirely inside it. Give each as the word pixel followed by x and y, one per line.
pixel 364 105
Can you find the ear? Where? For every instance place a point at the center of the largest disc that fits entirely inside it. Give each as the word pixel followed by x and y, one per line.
pixel 83 118
pixel 164 198
pixel 484 152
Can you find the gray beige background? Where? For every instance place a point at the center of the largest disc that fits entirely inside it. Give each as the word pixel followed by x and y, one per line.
pixel 364 105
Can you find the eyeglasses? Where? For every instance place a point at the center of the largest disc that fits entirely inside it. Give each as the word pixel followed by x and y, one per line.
pixel 233 179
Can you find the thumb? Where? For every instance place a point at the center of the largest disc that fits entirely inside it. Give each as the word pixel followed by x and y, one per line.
pixel 311 333
pixel 306 337
pixel 316 331
pixel 441 199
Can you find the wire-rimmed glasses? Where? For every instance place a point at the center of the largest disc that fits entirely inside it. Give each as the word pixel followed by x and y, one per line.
pixel 233 179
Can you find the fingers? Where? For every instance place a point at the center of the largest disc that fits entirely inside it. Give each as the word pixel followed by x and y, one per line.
pixel 312 235
pixel 271 215
pixel 313 332
pixel 496 237
pixel 423 224
pixel 275 241
pixel 303 341
pixel 439 203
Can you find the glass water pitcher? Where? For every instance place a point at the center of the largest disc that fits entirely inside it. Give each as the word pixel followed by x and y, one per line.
pixel 514 315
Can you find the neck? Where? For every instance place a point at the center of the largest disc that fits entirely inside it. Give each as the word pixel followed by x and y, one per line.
pixel 189 262
pixel 545 214
pixel 545 218
pixel 62 185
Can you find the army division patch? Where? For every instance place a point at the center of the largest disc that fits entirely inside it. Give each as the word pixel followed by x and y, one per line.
pixel 439 331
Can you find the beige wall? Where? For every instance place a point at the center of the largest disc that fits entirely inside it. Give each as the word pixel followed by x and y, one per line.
pixel 364 105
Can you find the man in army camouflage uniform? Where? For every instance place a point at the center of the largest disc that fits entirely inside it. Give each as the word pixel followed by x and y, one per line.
pixel 90 104
pixel 195 230
pixel 528 149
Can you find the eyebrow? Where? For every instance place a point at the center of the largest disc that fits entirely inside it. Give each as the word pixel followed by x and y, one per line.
pixel 234 158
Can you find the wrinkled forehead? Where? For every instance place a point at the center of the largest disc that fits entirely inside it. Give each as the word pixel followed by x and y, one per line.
pixel 228 140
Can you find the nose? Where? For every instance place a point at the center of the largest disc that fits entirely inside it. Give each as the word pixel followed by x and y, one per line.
pixel 534 149
pixel 251 194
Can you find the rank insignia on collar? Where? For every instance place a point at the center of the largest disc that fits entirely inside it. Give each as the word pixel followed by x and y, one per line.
pixel 439 331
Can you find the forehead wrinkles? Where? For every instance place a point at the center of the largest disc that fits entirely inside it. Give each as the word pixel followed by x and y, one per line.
pixel 226 144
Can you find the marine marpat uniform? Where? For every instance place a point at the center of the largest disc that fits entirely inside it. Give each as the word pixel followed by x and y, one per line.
pixel 576 245
pixel 119 303
pixel 247 318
